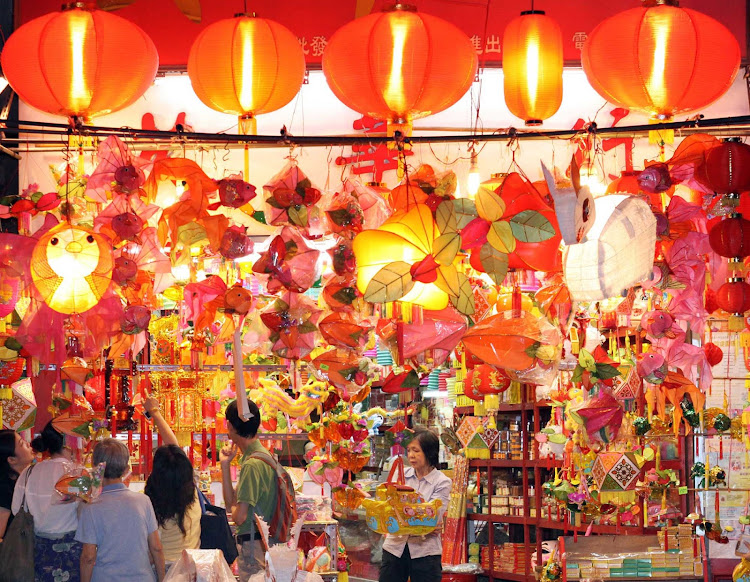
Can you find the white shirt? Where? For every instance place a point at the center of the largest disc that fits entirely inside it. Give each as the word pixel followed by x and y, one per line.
pixel 50 516
pixel 434 485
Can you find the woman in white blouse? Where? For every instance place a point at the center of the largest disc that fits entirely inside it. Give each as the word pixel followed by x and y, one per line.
pixel 419 557
pixel 56 553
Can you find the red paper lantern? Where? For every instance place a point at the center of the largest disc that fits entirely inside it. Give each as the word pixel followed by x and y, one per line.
pixel 734 296
pixel 485 379
pixel 661 59
pixel 714 354
pixel 727 167
pixel 246 66
pixel 533 66
pixel 79 62
pixel 731 237
pixel 399 65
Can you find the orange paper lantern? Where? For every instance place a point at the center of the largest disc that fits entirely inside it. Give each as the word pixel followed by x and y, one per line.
pixel 79 62
pixel 533 66
pixel 71 267
pixel 661 59
pixel 399 65
pixel 246 66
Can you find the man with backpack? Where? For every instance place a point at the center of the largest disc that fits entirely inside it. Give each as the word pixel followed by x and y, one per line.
pixel 264 488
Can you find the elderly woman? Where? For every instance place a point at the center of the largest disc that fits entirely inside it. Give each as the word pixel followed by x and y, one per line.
pixel 119 533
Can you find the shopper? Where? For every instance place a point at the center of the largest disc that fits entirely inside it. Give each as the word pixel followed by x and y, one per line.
pixel 171 488
pixel 118 532
pixel 56 552
pixel 256 488
pixel 15 456
pixel 418 557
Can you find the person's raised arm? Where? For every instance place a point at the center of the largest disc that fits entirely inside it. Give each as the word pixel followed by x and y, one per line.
pixel 157 554
pixel 226 455
pixel 151 405
pixel 88 560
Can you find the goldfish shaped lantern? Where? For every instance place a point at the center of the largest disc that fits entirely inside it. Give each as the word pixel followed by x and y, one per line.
pixel 233 193
pixel 71 267
pixel 238 300
pixel 659 323
pixel 273 398
pixel 574 206
pixel 652 367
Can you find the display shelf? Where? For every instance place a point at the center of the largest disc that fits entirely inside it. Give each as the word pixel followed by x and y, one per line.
pixel 499 518
pixel 503 575
pixel 596 528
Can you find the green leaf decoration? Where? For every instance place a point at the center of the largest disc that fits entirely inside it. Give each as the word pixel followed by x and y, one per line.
pixel 465 210
pixel 557 438
pixel 302 185
pixel 446 185
pixel 464 301
pixel 345 295
pixel 297 215
pixel 531 226
pixel 606 371
pixel 501 236
pixel 191 233
pixel 448 280
pixel 390 283
pixel 271 201
pixel 489 205
pixel 577 375
pixel 341 216
pixel 260 216
pixel 586 360
pixel 532 349
pixel 445 217
pixel 446 247
pixel 306 327
pixel 494 262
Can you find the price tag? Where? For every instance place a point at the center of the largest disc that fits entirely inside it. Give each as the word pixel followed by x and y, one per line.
pixel 682 490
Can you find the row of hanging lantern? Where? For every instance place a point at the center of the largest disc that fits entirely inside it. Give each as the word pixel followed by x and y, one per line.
pixel 397 65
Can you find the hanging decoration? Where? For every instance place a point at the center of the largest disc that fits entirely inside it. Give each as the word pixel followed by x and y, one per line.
pixel 399 65
pixel 683 61
pixel 533 66
pixel 70 62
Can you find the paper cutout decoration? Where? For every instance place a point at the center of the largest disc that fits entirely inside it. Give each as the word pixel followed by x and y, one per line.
pixel 618 251
pixel 293 320
pixel 71 267
pixel 289 262
pixel 574 206
pixel 438 332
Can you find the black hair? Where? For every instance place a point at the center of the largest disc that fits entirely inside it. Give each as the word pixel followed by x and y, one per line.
pixel 7 449
pixel 171 486
pixel 50 440
pixel 430 445
pixel 245 428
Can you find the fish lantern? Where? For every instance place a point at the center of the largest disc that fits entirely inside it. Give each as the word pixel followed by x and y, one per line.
pixel 71 62
pixel 399 65
pixel 617 253
pixel 71 267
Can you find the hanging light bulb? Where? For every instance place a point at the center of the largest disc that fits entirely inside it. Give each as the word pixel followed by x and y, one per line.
pixel 474 179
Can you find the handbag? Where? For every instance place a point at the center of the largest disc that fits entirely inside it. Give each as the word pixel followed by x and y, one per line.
pixel 17 549
pixel 215 531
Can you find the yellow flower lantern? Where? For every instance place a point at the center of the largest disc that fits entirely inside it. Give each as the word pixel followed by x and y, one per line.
pixel 71 267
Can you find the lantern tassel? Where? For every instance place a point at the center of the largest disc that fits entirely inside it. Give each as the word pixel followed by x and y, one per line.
pixel 247 125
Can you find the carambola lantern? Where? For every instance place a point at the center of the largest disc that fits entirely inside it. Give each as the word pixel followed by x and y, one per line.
pixel 661 59
pixel 246 66
pixel 79 62
pixel 399 65
pixel 71 267
pixel 533 66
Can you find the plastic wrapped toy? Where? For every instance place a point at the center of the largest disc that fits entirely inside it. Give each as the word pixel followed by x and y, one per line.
pixel 80 482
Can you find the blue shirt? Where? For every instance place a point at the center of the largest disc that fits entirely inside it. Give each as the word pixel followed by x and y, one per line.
pixel 119 523
pixel 434 485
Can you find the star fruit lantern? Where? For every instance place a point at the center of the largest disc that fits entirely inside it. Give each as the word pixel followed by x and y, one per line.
pixel 246 66
pixel 71 62
pixel 661 59
pixel 533 66
pixel 399 65
pixel 71 268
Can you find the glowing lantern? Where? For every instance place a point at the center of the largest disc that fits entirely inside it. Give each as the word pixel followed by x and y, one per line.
pixel 71 267
pixel 533 66
pixel 246 66
pixel 661 59
pixel 731 237
pixel 79 62
pixel 399 65
pixel 617 253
